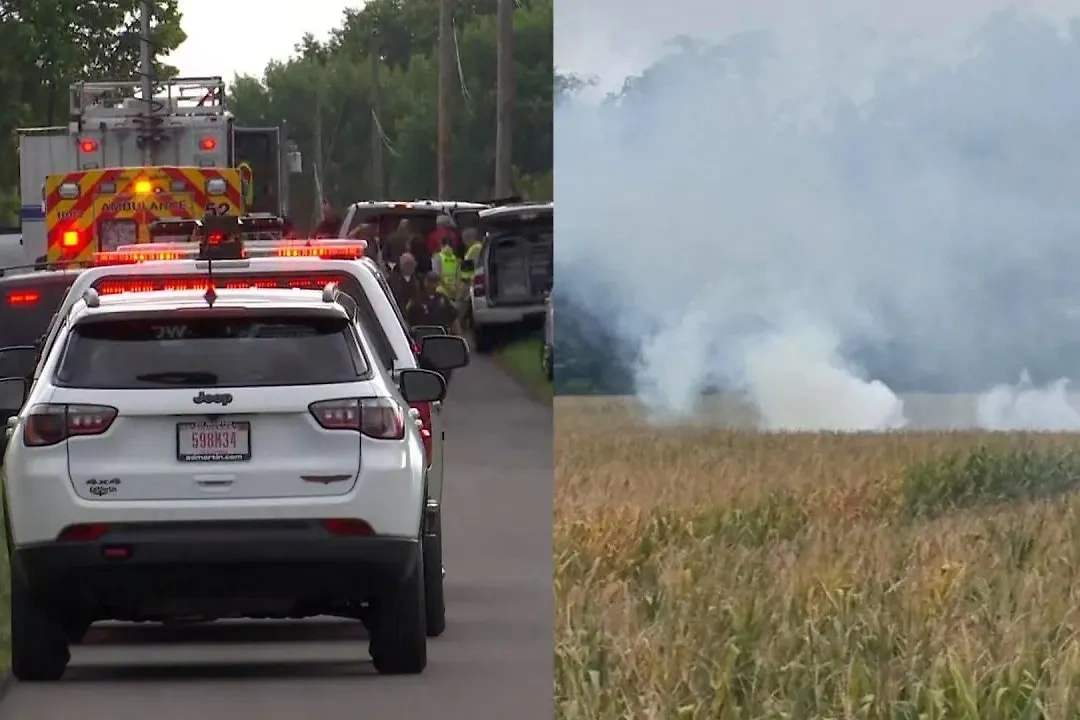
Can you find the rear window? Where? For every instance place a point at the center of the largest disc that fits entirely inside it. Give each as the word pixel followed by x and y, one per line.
pixel 366 315
pixel 27 307
pixel 528 223
pixel 207 350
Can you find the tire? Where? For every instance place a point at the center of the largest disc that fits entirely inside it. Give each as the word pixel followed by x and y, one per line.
pixel 434 601
pixel 485 339
pixel 397 626
pixel 39 642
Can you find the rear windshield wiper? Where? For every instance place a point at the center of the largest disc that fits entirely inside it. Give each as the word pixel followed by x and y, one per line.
pixel 180 377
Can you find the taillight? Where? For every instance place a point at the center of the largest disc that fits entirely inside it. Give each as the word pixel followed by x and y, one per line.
pixel 379 418
pixel 22 298
pixel 424 411
pixel 83 533
pixel 51 423
pixel 479 285
pixel 349 527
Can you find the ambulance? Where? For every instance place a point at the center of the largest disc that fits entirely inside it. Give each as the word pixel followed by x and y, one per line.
pixel 92 211
pixel 123 161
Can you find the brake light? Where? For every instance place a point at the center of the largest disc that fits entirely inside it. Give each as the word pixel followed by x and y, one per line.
pixel 21 298
pixel 335 252
pixel 50 423
pixel 70 239
pixel 348 527
pixel 424 410
pixel 479 285
pixel 115 286
pixel 208 143
pixel 88 146
pixel 215 238
pixel 83 533
pixel 379 418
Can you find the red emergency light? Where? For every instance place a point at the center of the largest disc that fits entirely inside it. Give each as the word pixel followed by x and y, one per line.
pixel 207 144
pixel 115 286
pixel 21 298
pixel 88 145
pixel 351 251
pixel 127 257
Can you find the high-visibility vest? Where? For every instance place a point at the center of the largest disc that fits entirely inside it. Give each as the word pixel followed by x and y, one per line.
pixel 450 275
pixel 473 253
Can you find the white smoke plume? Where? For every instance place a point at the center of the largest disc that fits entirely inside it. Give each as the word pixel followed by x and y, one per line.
pixel 824 216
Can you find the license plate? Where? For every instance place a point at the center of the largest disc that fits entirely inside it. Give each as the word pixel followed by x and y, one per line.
pixel 213 441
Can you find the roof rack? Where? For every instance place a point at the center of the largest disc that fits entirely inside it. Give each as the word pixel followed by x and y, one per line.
pixel 182 96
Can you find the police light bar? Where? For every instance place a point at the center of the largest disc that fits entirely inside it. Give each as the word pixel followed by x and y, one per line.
pixel 325 249
pixel 126 255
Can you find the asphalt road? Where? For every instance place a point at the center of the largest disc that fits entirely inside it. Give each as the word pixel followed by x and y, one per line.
pixel 493 661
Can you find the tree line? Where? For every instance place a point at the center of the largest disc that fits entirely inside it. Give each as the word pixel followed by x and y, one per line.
pixel 45 45
pixel 375 80
pixel 384 54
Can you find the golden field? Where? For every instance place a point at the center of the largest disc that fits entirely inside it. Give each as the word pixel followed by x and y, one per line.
pixel 718 573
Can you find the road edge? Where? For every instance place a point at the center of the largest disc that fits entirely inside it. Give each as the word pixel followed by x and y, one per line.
pixel 531 392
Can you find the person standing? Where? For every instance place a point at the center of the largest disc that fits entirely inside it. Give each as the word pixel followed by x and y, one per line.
pixel 448 267
pixel 404 282
pixel 431 306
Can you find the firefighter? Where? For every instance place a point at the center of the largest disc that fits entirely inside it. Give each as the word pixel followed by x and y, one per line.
pixel 448 267
pixel 431 306
pixel 471 239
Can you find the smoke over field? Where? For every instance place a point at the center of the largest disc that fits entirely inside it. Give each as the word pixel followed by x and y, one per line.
pixel 823 225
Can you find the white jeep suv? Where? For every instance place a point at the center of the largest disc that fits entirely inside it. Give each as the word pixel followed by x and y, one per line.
pixel 234 453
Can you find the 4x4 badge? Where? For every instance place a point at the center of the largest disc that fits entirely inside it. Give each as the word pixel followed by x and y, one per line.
pixel 219 399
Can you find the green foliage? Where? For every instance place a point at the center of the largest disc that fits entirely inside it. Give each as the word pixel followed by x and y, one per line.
pixel 984 476
pixel 49 44
pixel 332 83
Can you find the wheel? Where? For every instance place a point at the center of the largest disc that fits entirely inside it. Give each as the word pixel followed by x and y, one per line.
pixel 397 626
pixel 484 338
pixel 434 602
pixel 39 641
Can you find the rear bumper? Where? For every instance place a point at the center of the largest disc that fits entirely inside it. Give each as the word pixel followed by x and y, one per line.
pixel 217 569
pixel 506 315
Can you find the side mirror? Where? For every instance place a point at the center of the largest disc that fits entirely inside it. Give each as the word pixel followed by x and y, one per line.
pixel 13 392
pixel 444 352
pixel 468 265
pixel 18 361
pixel 419 332
pixel 418 386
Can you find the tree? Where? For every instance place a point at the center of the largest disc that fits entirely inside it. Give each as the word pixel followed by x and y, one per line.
pixel 49 44
pixel 402 34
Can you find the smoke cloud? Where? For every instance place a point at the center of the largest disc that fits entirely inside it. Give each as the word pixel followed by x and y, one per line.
pixel 824 226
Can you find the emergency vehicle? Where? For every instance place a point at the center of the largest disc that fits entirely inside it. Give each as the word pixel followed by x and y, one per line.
pixel 90 211
pixel 184 134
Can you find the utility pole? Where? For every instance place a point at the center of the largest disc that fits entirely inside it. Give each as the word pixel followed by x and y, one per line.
pixel 378 172
pixel 446 81
pixel 146 69
pixel 504 101
pixel 319 168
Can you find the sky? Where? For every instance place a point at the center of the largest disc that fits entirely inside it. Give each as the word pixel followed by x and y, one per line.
pixel 612 39
pixel 241 36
